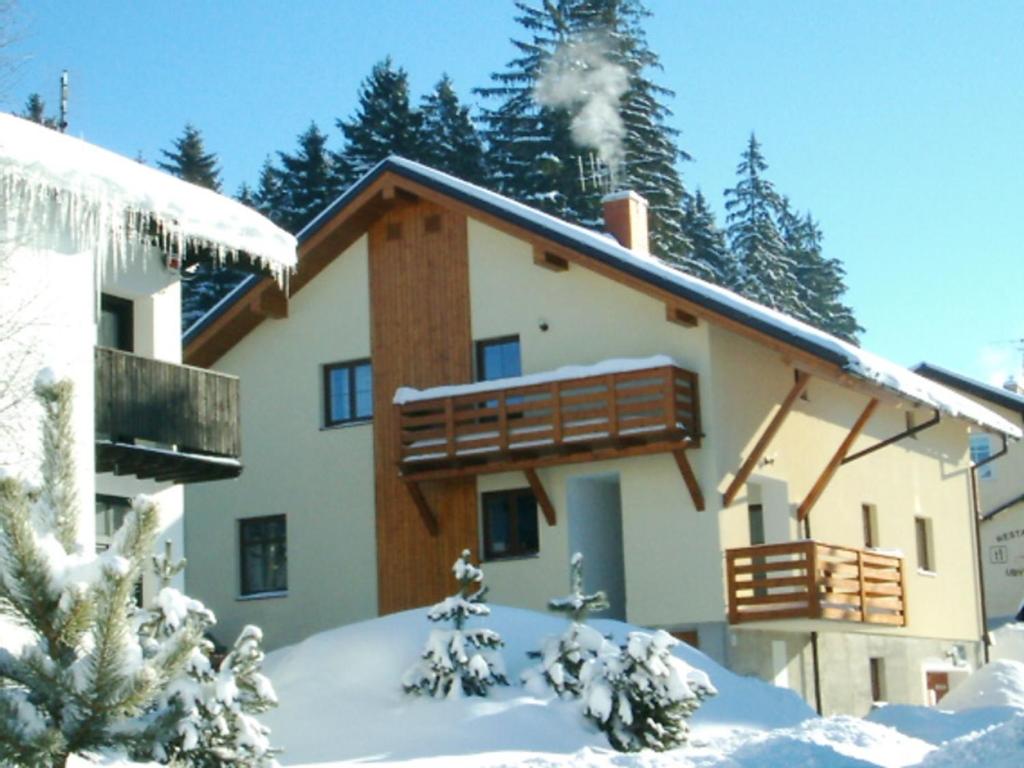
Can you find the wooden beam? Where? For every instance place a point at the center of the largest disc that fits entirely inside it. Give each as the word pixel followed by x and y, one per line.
pixel 680 316
pixel 802 378
pixel 690 479
pixel 830 469
pixel 541 495
pixel 272 303
pixel 429 518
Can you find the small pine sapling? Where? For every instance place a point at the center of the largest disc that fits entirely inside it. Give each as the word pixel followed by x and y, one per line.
pixel 562 657
pixel 459 661
pixel 642 696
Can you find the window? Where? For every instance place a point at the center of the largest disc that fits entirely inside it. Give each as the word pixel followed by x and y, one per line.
pixel 868 518
pixel 348 392
pixel 876 668
pixel 264 554
pixel 755 524
pixel 923 537
pixel 510 524
pixel 498 358
pixel 116 328
pixel 981 449
pixel 110 514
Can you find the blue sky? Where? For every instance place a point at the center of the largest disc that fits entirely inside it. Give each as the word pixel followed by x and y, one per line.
pixel 899 125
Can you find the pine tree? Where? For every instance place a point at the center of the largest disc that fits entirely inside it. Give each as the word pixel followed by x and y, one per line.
pixel 642 696
pixel 766 273
pixel 190 161
pixel 97 674
pixel 451 140
pixel 708 255
pixel 35 110
pixel 819 280
pixel 459 661
pixel 269 197
pixel 385 123
pixel 534 155
pixel 306 183
pixel 562 657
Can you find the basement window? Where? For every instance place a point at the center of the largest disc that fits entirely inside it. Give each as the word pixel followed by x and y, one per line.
pixel 510 524
pixel 876 669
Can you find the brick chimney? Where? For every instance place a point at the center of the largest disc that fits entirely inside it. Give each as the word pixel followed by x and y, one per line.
pixel 625 218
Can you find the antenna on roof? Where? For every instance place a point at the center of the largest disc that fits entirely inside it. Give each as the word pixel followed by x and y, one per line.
pixel 594 174
pixel 62 126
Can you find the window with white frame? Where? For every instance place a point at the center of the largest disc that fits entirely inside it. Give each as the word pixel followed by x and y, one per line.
pixel 981 449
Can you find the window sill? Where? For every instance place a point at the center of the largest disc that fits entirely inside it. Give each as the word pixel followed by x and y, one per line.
pixel 924 572
pixel 346 425
pixel 262 595
pixel 513 558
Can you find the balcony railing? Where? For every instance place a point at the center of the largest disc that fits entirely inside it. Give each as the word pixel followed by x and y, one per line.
pixel 811 580
pixel 165 421
pixel 587 418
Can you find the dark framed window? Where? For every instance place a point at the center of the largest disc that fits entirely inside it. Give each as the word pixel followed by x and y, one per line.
pixel 348 392
pixel 923 537
pixel 110 514
pixel 263 545
pixel 510 524
pixel 755 524
pixel 116 328
pixel 868 516
pixel 876 669
pixel 498 358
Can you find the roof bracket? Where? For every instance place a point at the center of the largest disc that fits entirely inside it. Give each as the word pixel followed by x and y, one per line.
pixel 799 385
pixel 837 459
pixel 426 513
pixel 541 495
pixel 690 479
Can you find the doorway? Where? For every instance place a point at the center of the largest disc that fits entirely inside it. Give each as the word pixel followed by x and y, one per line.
pixel 595 529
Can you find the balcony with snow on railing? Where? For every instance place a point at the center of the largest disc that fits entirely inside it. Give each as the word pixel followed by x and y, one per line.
pixel 578 413
pixel 812 580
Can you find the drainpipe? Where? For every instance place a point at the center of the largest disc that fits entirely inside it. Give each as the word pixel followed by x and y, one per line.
pixel 815 662
pixel 986 641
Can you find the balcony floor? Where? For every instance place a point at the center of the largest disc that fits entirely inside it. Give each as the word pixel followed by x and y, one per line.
pixel 162 464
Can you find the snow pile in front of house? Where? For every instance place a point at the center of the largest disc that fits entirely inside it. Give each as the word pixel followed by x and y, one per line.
pixel 1001 746
pixel 93 196
pixel 1008 641
pixel 857 361
pixel 565 373
pixel 999 684
pixel 937 726
pixel 341 701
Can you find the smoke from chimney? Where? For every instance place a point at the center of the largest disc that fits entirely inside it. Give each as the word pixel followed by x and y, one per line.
pixel 581 78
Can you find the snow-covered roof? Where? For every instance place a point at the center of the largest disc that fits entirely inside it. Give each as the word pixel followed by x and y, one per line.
pixel 100 192
pixel 997 395
pixel 853 360
pixel 565 373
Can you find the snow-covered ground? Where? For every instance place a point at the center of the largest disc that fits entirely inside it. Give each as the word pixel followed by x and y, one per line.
pixel 341 703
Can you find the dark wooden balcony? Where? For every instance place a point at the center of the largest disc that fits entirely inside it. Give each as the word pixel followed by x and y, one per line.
pixel 811 580
pixel 583 419
pixel 166 422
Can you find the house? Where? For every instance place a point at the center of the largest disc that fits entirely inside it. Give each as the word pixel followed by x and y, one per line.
pixel 999 482
pixel 453 369
pixel 93 250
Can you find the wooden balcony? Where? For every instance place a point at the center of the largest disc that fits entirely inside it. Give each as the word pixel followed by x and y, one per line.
pixel 591 418
pixel 811 580
pixel 164 421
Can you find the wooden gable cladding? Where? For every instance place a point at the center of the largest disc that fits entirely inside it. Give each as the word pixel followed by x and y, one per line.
pixel 420 337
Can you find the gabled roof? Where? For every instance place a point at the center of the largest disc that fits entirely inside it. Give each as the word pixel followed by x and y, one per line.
pixel 979 389
pixel 599 250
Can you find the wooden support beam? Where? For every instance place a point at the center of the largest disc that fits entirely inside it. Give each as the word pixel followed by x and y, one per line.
pixel 830 469
pixel 680 316
pixel 541 495
pixel 429 518
pixel 690 479
pixel 802 378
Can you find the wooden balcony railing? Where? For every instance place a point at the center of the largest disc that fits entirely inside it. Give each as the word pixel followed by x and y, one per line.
pixel 588 418
pixel 165 421
pixel 811 580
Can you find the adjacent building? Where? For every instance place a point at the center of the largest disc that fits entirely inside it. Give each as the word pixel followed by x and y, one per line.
pixel 999 479
pixel 93 250
pixel 451 369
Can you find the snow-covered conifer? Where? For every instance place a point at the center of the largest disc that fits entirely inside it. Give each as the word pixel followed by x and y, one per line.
pixel 459 661
pixel 642 696
pixel 97 673
pixel 563 656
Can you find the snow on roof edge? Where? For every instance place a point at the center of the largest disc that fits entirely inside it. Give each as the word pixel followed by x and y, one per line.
pixel 614 365
pixel 102 186
pixel 999 395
